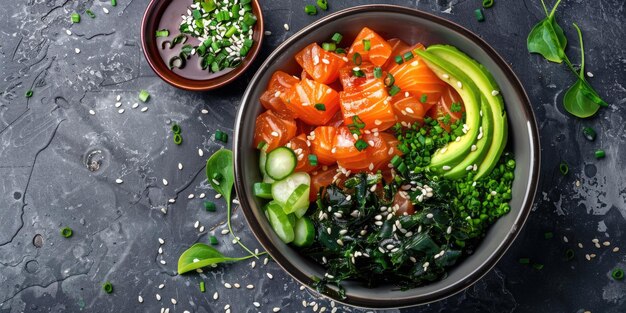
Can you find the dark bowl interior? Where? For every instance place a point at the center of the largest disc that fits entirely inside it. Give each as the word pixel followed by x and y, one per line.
pixel 149 26
pixel 411 26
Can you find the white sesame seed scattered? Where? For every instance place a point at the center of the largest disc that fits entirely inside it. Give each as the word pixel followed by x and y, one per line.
pixel 191 196
pixel 163 262
pixel 217 196
pixel 446 167
pixel 161 286
pixel 201 229
pixel 92 112
pixel 204 111
pixel 495 93
pixel 565 239
pixel 445 76
pixel 459 84
pixel 580 245
pixel 119 181
pixel 144 109
pixel 415 63
pixel 276 309
pixel 160 250
pixel 429 215
pixel 268 33
pixel 265 261
pixel 302 287
pixel 106 11
pixel 158 297
pixel 275 134
pixel 77 50
pixel 161 241
pixel 118 104
pixel 201 196
pixel 250 286
pixel 215 296
pixel 256 304
pixel 270 276
pixel 473 148
pixel 164 210
pixel 325 61
pixel 616 249
pixel 135 105
pixel 120 111
pixel 225 231
pixel 286 28
pixel 140 299
pixel 228 286
pixel 589 74
pixel 165 182
pixel 180 166
pixel 226 307
pixel 68 32
pixel 171 200
pixel 587 257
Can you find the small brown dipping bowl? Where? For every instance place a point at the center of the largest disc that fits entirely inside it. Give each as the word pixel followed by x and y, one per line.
pixel 150 46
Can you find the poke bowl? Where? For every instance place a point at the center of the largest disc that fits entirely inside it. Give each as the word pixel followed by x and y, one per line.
pixel 359 163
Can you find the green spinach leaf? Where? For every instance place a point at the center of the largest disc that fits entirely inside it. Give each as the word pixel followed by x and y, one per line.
pixel 220 173
pixel 547 37
pixel 200 255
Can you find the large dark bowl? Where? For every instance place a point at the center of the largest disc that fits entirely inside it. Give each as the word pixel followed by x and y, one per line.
pixel 411 26
pixel 149 26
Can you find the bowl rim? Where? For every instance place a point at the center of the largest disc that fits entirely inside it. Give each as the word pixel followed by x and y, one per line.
pixel 205 84
pixel 494 256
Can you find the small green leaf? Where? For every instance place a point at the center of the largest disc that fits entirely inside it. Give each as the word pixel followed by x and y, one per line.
pixel 576 101
pixel 548 39
pixel 200 255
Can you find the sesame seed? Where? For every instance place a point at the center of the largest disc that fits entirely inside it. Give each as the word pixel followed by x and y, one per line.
pixel 173 301
pixel 267 33
pixel 163 262
pixel 473 148
pixel 120 111
pixel 180 166
pixel 135 105
pixel 118 104
pixel 270 276
pixel 68 32
pixel 286 28
pixel 276 309
pixel 446 167
pixel 158 297
pixel 161 241
pixel 144 109
pixel 275 134
pixel 204 111
pixel 325 61
pixel 265 261
pixel 106 11
pixel 164 210
pixel 565 239
pixel 217 196
pixel 201 229
pixel 250 286
pixel 616 249
pixel 495 93
pixel 228 286
pixel 119 181
pixel 77 50
pixel 215 296
pixel 445 76
pixel 429 215
pixel 200 152
pixel 92 112
pixel 414 63
pixel 589 74
pixel 165 182
pixel 171 200
pixel 459 84
pixel 140 299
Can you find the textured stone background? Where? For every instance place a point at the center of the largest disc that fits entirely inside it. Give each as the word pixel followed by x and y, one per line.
pixel 48 141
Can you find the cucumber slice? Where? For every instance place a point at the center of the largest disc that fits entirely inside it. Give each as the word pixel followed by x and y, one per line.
pixel 283 189
pixel 280 222
pixel 263 190
pixel 292 219
pixel 280 163
pixel 267 179
pixel 301 211
pixel 263 159
pixel 304 232
pixel 297 200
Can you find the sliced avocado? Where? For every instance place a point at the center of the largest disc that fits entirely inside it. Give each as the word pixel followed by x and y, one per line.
pixel 479 149
pixel 454 152
pixel 487 85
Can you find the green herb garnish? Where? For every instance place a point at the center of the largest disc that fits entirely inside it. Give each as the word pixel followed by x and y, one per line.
pixel 200 255
pixel 323 4
pixel 357 59
pixel 29 93
pixel 455 107
pixel 162 33
pixel 310 9
pixel 336 38
pixel 90 13
pixel 617 274
pixel 361 144
pixel 144 95
pixel 209 206
pixel 178 139
pixel 75 18
pixel 320 107
pixel 66 232
pixel 487 4
pixel 107 287
pixel 589 133
pixel 563 168
pixel 600 154
pixel 367 45
pixel 478 13
pixel 176 128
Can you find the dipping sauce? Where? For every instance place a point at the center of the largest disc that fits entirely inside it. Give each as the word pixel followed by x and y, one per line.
pixel 204 39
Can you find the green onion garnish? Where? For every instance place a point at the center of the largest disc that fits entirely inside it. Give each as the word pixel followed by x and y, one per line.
pixel 340 50
pixel 323 4
pixel 29 93
pixel 358 122
pixel 75 18
pixel 360 144
pixel 310 9
pixel 144 95
pixel 113 3
pixel 162 33
pixel 395 161
pixel 569 254
pixel 356 59
pixel 394 90
pixel 402 168
pixel 389 80
pixel 221 136
pixel 424 98
pixel 617 274
pixel 563 168
pixel 213 240
pixel 366 45
pixel 589 133
pixel 336 38
pixel 538 266
pixel 358 73
pixel 261 145
pixel 487 4
pixel 66 232
pixel 202 286
pixel 178 61
pixel 320 107
pixel 524 261
pixel 178 139
pixel 398 59
pixel 600 154
pixel 176 128
pixel 209 206
pixel 478 13
pixel 91 14
pixel 329 46
pixel 378 72
pixel 249 19
pixel 313 159
pixel 231 31
pixel 407 56
pixel 108 287
pixel 548 235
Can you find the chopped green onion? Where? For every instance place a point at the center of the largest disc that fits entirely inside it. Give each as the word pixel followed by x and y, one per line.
pixel 313 159
pixel 320 107
pixel 378 72
pixel 108 287
pixel 162 33
pixel 213 240
pixel 407 56
pixel 358 122
pixel 29 93
pixel 329 46
pixel 395 161
pixel 176 128
pixel 617 274
pixel 367 45
pixel 524 261
pixel 202 286
pixel 113 3
pixel 360 144
pixel 358 73
pixel 178 61
pixel 261 145
pixel 144 95
pixel 75 18
pixel 389 80
pixel 600 154
pixel 424 98
pixel 209 206
pixel 230 32
pixel 340 50
pixel 394 90
pixel 166 43
pixel 589 133
pixel 336 38
pixel 398 59
pixel 178 139
pixel 548 235
pixel 487 4
pixel 401 168
pixel 538 266
pixel 323 4
pixel 221 136
pixel 249 19
pixel 310 9
pixel 569 254
pixel 563 168
pixel 90 13
pixel 66 232
pixel 478 13
pixel 356 58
